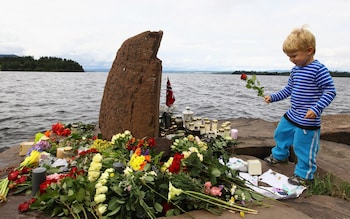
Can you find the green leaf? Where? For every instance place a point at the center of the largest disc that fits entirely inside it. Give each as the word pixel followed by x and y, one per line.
pixel 158 207
pixel 80 195
pixel 116 210
pixel 149 178
pixel 170 212
pixel 215 172
pixel 76 208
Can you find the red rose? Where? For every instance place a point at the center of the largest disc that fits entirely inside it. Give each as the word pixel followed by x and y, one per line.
pixel 244 76
pixel 167 206
pixel 13 175
pixel 151 142
pixel 21 180
pixel 25 170
pixel 175 166
pixel 23 207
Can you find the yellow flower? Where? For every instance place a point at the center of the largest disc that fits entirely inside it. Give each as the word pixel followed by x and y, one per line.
pixel 242 214
pixel 173 191
pixel 190 137
pixel 31 160
pixel 100 198
pixel 232 200
pixel 136 161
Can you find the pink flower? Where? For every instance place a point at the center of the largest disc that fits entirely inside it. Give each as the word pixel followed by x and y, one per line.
pixel 215 191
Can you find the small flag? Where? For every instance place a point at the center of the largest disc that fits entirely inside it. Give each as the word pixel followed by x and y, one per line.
pixel 170 98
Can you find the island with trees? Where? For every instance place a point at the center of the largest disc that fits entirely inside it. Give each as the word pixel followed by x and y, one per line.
pixel 47 64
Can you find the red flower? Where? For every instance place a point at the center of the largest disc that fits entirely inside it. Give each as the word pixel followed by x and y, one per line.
pixel 175 166
pixel 66 132
pixel 151 142
pixel 25 170
pixel 59 129
pixel 23 207
pixel 167 206
pixel 13 175
pixel 43 186
pixel 22 179
pixel 244 76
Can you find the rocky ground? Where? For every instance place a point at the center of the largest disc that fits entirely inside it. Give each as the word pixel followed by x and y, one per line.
pixel 255 140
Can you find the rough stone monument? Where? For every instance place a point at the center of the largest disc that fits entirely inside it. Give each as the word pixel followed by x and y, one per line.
pixel 131 96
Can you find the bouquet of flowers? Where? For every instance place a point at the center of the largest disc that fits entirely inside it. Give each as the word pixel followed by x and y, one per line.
pixel 146 184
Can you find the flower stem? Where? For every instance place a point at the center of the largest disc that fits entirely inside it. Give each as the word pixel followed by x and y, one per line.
pixel 165 198
pixel 219 202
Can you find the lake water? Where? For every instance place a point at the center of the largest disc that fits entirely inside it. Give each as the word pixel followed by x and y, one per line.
pixel 32 101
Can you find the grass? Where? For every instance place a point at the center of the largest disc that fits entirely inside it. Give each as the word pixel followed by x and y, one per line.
pixel 331 186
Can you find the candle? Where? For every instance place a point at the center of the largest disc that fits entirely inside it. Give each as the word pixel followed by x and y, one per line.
pixel 39 176
pixel 207 126
pixel 234 133
pixel 202 129
pixel 60 153
pixel 214 125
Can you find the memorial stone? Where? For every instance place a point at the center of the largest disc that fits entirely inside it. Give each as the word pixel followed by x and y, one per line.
pixel 131 95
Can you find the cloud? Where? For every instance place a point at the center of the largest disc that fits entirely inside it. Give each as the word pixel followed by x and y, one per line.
pixel 198 34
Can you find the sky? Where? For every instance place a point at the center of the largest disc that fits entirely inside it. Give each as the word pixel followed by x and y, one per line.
pixel 199 35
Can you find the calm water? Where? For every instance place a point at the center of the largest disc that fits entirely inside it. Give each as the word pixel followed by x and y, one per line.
pixel 32 101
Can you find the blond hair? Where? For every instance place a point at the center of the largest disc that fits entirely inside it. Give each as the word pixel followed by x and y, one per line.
pixel 300 39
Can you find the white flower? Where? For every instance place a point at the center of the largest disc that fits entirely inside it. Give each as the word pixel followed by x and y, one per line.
pixel 98 185
pixel 173 191
pixel 104 175
pixel 101 190
pixel 97 158
pixel 193 149
pixel 103 181
pixel 94 166
pixel 100 198
pixel 102 208
pixel 200 156
pixel 93 175
pixel 186 154
pixel 128 171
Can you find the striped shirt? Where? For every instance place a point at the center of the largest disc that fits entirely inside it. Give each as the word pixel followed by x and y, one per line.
pixel 310 87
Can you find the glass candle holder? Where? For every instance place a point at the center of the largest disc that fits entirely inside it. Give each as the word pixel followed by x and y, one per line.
pixel 214 125
pixel 207 126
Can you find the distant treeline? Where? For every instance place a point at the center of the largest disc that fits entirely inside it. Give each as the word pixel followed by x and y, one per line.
pixel 48 64
pixel 333 73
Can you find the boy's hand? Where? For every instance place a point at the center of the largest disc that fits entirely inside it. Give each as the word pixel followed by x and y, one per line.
pixel 310 115
pixel 267 99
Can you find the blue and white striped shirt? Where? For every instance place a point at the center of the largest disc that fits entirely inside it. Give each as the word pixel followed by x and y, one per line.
pixel 310 87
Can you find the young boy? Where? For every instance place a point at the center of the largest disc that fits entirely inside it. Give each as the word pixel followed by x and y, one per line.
pixel 311 89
